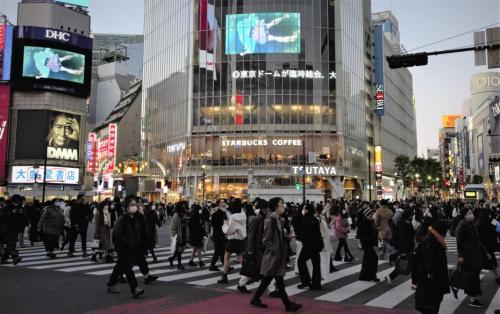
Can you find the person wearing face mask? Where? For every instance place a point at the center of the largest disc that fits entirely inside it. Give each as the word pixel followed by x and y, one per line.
pixel 179 232
pixel 342 229
pixel 470 254
pixel 367 232
pixel 129 237
pixel 152 223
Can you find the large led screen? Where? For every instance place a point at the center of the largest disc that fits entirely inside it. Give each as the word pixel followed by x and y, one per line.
pixel 82 3
pixel 262 33
pixel 50 63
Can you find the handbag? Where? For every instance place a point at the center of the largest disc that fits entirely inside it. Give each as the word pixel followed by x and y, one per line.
pixel 173 243
pixel 460 279
pixel 95 244
pixel 249 268
pixel 489 263
pixel 403 265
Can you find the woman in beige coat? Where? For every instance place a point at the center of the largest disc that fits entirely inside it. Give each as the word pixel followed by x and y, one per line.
pixel 275 256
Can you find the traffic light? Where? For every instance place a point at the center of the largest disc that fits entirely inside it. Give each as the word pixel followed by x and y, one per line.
pixel 409 60
pixel 61 188
pixel 298 186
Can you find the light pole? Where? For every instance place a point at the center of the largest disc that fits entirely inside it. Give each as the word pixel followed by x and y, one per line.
pixel 203 167
pixel 396 184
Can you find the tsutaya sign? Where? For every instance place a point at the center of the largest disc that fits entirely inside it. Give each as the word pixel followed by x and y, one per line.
pixel 318 170
pixel 256 142
pixel 308 74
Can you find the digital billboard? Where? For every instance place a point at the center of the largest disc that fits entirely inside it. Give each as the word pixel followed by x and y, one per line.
pixel 6 36
pixel 81 3
pixel 53 60
pixel 262 33
pixel 55 133
pixel 59 175
pixel 47 63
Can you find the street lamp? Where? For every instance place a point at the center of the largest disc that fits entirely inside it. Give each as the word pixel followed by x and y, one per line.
pixel 203 167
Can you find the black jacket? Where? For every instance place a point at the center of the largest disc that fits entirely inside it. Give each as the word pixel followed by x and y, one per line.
pixel 151 222
pixel 217 223
pixel 404 238
pixel 129 234
pixel 12 221
pixel 311 233
pixel 469 247
pixel 367 233
pixel 432 269
pixel 80 214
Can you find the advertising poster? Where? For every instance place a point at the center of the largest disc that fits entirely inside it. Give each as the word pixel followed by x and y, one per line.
pixel 4 117
pixel 208 29
pixel 112 131
pixel 63 136
pixel 59 175
pixel 49 63
pixel 262 33
pixel 91 152
pixel 379 70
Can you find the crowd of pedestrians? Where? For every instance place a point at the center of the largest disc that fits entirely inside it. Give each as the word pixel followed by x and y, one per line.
pixel 262 235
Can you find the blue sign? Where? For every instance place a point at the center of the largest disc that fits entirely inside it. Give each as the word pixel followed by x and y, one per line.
pixel 7 53
pixel 379 70
pixel 55 35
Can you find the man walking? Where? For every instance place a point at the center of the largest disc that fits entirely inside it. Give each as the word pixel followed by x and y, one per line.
pixel 80 216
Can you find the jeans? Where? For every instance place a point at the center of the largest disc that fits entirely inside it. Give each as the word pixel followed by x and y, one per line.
pixel 82 231
pixel 387 249
pixel 342 244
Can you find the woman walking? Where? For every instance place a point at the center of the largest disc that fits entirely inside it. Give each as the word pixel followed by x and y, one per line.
pixel 102 233
pixel 196 235
pixel 50 225
pixel 342 229
pixel 152 222
pixel 178 233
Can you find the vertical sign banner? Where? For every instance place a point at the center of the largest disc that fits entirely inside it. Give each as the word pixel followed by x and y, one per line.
pixel 379 70
pixel 6 37
pixel 208 28
pixel 4 117
pixel 91 152
pixel 378 170
pixel 112 146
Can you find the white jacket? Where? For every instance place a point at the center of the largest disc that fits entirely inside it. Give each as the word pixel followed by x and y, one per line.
pixel 236 229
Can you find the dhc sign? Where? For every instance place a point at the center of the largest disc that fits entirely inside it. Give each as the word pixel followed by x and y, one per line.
pixel 58 35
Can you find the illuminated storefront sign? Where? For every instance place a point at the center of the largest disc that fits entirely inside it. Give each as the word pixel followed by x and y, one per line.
pixel 257 142
pixel 379 97
pixel 176 147
pixel 450 121
pixel 112 146
pixel 308 74
pixel 91 152
pixel 317 170
pixel 378 170
pixel 61 175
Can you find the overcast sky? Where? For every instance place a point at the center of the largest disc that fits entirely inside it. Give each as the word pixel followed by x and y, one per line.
pixel 440 87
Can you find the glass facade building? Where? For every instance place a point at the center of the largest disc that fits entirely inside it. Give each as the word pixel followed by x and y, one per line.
pixel 238 93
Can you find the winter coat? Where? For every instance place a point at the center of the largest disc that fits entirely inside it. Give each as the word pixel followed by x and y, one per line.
pixel 103 229
pixel 195 232
pixel 341 227
pixel 367 233
pixel 152 221
pixel 382 217
pixel 52 220
pixel 276 250
pixel 311 234
pixel 217 223
pixel 80 214
pixel 236 229
pixel 325 234
pixel 129 234
pixel 431 274
pixel 469 247
pixel 12 221
pixel 404 237
pixel 176 229
pixel 255 235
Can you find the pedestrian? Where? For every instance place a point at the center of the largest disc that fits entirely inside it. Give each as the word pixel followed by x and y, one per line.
pixel 367 232
pixel 342 228
pixel 403 240
pixel 102 233
pixel 34 213
pixel 488 237
pixel 80 215
pixel 67 231
pixel 11 220
pixel 179 233
pixel 218 237
pixel 236 231
pixel 383 221
pixel 327 244
pixel 152 223
pixel 312 245
pixel 470 255
pixel 274 259
pixel 50 226
pixel 432 270
pixel 195 235
pixel 129 238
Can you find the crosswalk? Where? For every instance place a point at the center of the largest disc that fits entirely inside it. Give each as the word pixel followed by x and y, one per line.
pixel 341 286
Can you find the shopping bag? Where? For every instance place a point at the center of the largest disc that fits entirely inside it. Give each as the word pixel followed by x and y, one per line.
pixel 173 243
pixel 95 244
pixel 460 279
pixel 205 243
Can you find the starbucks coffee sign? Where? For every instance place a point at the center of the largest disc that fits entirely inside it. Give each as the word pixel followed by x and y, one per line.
pixel 315 170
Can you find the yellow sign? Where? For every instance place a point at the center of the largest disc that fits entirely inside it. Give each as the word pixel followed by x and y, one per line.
pixel 470 194
pixel 378 158
pixel 450 121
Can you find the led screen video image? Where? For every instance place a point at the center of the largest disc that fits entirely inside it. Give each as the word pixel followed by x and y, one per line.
pixel 50 63
pixel 262 33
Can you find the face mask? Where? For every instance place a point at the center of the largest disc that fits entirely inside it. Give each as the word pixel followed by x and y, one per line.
pixel 112 206
pixel 153 207
pixel 199 212
pixel 132 209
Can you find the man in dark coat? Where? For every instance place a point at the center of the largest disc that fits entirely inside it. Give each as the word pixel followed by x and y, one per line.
pixel 129 238
pixel 51 225
pixel 274 259
pixel 432 269
pixel 12 219
pixel 312 244
pixel 218 236
pixel 367 233
pixel 80 216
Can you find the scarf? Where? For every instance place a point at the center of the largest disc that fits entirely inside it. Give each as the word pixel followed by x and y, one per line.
pixel 106 216
pixel 437 236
